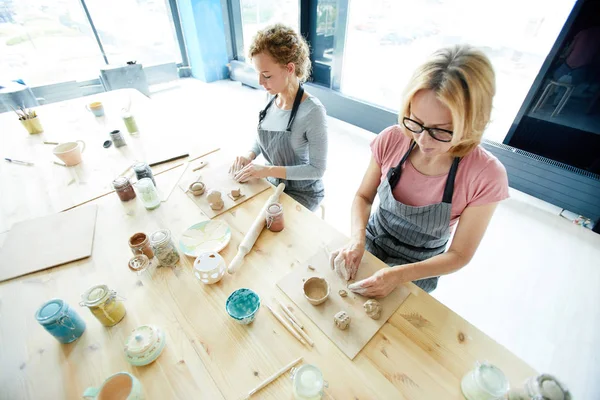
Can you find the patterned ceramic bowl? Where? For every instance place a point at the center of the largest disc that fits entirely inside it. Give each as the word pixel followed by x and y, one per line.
pixel 242 305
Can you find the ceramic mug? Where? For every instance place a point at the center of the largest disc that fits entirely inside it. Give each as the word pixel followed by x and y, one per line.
pixel 96 108
pixel 70 152
pixel 120 386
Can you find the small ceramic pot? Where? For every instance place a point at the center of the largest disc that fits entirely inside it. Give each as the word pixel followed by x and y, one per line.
pixel 144 345
pixel 242 306
pixel 122 385
pixel 209 267
pixel 197 188
pixel 316 290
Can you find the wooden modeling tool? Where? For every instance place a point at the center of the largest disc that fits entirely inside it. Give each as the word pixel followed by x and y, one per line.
pixel 273 377
pixel 286 325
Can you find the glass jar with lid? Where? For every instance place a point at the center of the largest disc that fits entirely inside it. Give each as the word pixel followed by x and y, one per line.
pixel 308 383
pixel 60 320
pixel 148 193
pixel 104 304
pixel 142 170
pixel 123 187
pixel 164 249
pixel 484 382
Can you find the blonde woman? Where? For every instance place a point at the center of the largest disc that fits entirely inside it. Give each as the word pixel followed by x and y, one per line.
pixel 429 172
pixel 292 130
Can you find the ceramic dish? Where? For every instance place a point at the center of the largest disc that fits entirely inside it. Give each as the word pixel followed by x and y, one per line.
pixel 242 306
pixel 205 236
pixel 144 345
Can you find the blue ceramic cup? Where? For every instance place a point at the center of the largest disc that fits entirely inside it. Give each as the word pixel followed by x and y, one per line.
pixel 60 320
pixel 242 306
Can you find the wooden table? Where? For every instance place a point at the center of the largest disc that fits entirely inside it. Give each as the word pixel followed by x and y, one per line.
pixel 422 352
pixel 29 192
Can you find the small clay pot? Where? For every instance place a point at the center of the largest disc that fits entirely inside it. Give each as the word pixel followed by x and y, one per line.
pixel 197 188
pixel 316 290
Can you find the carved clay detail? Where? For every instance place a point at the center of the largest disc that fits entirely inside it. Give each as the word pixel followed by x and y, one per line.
pixel 342 320
pixel 372 308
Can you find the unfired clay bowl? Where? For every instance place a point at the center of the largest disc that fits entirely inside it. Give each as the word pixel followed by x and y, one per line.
pixel 316 290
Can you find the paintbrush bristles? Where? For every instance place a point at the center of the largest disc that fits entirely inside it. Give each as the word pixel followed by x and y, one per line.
pixel 24 113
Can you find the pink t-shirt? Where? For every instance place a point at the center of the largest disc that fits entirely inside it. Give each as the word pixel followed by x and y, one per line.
pixel 480 179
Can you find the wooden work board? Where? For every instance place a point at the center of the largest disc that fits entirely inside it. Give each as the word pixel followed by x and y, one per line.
pixel 362 328
pixel 215 175
pixel 49 241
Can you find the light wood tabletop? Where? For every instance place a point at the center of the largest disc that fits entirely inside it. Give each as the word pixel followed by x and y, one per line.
pixel 422 352
pixel 45 188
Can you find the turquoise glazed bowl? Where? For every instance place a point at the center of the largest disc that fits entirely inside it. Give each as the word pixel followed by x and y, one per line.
pixel 242 305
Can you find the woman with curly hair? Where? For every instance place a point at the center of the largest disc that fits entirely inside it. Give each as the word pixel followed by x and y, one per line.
pixel 292 130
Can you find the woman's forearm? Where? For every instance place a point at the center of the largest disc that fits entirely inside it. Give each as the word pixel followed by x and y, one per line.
pixel 276 172
pixel 442 264
pixel 361 209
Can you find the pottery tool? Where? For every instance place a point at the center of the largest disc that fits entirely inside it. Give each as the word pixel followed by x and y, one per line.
pixel 286 324
pixel 362 329
pixel 59 163
pixel 300 331
pixel 12 160
pixel 273 377
pixel 154 164
pixel 47 142
pixel 254 231
pixel 202 165
pixel 205 154
pixel 290 314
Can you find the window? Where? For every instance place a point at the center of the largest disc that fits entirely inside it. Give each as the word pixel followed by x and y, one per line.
pixel 140 30
pixel 46 41
pixel 258 14
pixel 387 39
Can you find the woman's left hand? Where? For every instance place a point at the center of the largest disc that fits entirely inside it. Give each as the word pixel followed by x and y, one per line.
pixel 380 284
pixel 251 171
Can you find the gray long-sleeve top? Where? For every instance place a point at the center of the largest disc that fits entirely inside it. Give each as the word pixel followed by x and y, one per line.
pixel 309 137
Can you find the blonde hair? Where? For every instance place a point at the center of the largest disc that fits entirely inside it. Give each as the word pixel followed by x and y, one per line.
pixel 462 78
pixel 285 46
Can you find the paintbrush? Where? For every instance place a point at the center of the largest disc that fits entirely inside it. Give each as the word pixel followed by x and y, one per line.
pixel 11 160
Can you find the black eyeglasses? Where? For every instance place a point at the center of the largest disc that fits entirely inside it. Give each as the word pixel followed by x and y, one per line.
pixel 441 135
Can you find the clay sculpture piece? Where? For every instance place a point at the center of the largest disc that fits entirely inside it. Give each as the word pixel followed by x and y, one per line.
pixel 342 320
pixel 215 200
pixel 316 290
pixel 372 308
pixel 343 293
pixel 197 188
pixel 235 193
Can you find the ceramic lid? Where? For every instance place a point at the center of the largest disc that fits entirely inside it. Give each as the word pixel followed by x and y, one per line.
pixel 50 311
pixel 144 344
pixel 95 295
pixel 120 182
pixel 139 262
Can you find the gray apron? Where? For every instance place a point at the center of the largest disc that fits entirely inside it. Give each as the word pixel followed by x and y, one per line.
pixel 276 147
pixel 400 234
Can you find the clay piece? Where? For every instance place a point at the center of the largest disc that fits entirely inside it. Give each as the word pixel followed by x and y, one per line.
pixel 197 188
pixel 316 290
pixel 372 308
pixel 342 320
pixel 343 293
pixel 311 267
pixel 214 199
pixel 235 194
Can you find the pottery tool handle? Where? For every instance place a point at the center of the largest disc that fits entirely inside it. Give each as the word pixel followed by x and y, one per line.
pixel 300 331
pixel 254 232
pixel 286 325
pixel 290 314
pixel 274 376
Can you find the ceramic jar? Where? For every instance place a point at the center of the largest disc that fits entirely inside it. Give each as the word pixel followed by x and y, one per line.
pixel 144 345
pixel 209 267
pixel 117 386
pixel 104 304
pixel 60 320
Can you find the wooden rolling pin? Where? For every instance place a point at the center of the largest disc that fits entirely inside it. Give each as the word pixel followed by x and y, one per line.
pixel 254 232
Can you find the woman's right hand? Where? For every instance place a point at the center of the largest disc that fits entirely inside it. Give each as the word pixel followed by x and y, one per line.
pixel 239 163
pixel 346 260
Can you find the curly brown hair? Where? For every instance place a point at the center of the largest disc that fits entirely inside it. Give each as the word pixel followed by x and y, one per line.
pixel 285 46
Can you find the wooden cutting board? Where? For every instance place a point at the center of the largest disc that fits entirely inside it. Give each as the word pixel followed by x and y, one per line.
pixel 49 241
pixel 215 175
pixel 362 328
